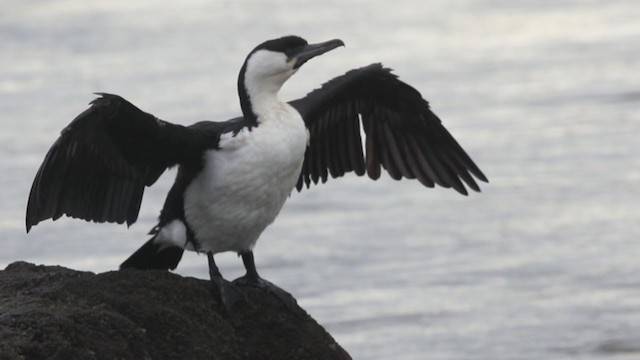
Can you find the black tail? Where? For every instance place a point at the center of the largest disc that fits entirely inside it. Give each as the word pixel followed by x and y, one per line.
pixel 154 256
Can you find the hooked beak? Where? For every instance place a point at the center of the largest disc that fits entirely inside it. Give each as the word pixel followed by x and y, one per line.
pixel 312 50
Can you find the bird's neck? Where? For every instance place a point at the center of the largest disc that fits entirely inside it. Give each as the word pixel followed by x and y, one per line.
pixel 259 97
pixel 263 99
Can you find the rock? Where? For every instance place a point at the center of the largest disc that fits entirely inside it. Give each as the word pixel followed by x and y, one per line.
pixel 51 312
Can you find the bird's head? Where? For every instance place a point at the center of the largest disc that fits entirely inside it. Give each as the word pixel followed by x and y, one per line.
pixel 271 63
pixel 282 57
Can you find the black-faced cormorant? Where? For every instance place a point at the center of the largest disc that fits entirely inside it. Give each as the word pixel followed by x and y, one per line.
pixel 234 176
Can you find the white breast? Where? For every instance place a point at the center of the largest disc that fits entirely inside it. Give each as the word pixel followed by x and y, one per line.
pixel 245 183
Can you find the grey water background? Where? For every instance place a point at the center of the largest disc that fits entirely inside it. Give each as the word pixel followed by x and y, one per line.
pixel 544 95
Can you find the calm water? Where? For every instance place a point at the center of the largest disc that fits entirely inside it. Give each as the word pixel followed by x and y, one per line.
pixel 545 96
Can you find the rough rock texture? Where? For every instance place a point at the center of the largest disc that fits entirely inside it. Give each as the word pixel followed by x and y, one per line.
pixel 51 312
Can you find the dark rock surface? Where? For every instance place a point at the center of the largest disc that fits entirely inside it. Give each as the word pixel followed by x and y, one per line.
pixel 51 312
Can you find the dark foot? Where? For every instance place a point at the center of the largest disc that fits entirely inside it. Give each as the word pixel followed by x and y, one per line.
pixel 255 281
pixel 226 293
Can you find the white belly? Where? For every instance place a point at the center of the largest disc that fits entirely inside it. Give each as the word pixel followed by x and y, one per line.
pixel 244 184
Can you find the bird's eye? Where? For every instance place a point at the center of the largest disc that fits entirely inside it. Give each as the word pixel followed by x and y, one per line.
pixel 291 52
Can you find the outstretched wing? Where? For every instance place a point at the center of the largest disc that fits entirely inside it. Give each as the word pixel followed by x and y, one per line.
pixel 403 135
pixel 99 166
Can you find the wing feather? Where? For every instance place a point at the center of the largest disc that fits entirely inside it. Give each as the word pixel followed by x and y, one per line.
pixel 98 168
pixel 372 151
pixel 403 135
pixel 354 142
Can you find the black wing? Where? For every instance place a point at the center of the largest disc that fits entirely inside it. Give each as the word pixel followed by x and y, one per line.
pixel 402 133
pixel 99 166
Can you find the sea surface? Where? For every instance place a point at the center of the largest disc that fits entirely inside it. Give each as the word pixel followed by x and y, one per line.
pixel 544 95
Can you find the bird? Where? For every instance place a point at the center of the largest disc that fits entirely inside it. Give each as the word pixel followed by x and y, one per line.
pixel 234 176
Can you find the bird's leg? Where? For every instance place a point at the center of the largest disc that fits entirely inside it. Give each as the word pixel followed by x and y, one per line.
pixel 250 266
pixel 251 278
pixel 224 291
